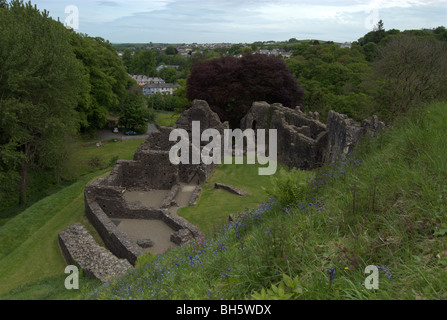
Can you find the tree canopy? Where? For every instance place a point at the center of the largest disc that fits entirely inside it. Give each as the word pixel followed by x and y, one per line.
pixel 39 91
pixel 332 78
pixel 409 72
pixel 230 85
pixel 105 80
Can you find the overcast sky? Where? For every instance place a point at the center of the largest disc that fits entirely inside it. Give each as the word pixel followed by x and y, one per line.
pixel 240 21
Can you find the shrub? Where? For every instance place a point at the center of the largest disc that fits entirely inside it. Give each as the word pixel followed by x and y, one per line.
pixel 289 186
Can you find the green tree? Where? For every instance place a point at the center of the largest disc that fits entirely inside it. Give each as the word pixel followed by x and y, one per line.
pixel 143 62
pixel 134 113
pixel 441 33
pixel 410 71
pixel 127 58
pixel 39 90
pixel 156 101
pixel 168 74
pixel 170 51
pixel 247 50
pixel 107 80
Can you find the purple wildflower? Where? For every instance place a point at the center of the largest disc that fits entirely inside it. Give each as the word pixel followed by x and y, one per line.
pixel 332 273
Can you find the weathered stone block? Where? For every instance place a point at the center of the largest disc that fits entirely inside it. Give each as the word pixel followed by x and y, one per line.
pixel 229 188
pixel 145 243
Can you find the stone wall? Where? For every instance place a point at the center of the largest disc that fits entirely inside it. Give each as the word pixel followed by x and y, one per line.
pixel 230 189
pixel 344 133
pixel 119 243
pixel 79 248
pixel 151 169
pixel 300 136
pixel 303 141
pixel 102 203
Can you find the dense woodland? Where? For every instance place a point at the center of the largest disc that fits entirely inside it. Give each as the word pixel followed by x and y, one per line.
pixel 57 85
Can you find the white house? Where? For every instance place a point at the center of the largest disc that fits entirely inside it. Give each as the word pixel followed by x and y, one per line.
pixel 160 67
pixel 143 80
pixel 163 88
pixel 346 45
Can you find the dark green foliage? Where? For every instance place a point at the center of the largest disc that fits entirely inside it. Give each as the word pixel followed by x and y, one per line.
pixel 39 91
pixel 143 62
pixel 170 51
pixel 127 59
pixel 441 33
pixel 410 71
pixel 134 114
pixel 332 78
pixel 168 74
pixel 105 80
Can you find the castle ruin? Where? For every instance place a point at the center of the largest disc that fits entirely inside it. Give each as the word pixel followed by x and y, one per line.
pixel 134 209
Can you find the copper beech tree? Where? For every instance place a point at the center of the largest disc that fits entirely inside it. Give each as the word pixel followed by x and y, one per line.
pixel 230 85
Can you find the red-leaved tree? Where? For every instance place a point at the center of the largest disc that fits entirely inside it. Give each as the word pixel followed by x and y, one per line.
pixel 231 85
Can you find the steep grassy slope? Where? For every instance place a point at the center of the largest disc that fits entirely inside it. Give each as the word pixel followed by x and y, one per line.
pixel 29 252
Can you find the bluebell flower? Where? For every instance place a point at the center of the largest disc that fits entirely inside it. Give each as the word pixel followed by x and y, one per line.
pixel 387 272
pixel 332 273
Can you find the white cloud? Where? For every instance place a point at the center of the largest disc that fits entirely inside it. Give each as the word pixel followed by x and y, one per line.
pixel 246 20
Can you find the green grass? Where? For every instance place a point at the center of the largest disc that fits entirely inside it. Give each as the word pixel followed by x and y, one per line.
pixel 384 206
pixel 215 205
pixel 84 160
pixel 89 159
pixel 29 251
pixel 166 118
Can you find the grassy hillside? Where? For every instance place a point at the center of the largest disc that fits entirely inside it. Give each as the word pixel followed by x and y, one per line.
pixel 29 253
pixel 29 250
pixel 84 160
pixel 385 206
pixel 166 118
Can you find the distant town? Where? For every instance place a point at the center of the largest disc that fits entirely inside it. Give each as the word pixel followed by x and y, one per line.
pixel 153 85
pixel 275 48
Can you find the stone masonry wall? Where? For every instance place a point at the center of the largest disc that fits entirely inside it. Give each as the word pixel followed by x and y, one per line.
pixel 119 243
pixel 79 248
pixel 303 141
pixel 105 202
